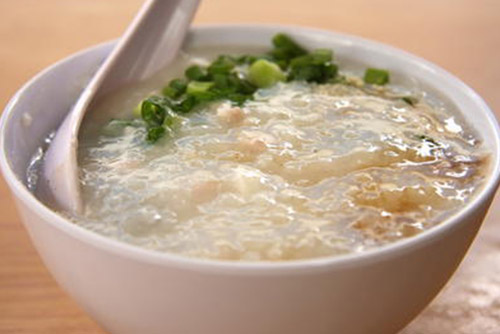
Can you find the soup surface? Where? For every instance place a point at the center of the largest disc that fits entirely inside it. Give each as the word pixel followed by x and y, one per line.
pixel 302 170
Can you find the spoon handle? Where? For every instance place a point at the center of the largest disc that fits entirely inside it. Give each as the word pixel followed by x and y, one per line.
pixel 159 25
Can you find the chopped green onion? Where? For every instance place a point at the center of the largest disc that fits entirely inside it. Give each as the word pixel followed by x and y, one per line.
pixel 172 120
pixel 376 76
pixel 222 65
pixel 236 78
pixel 137 110
pixel 221 81
pixel 152 112
pixel 321 56
pixel 187 104
pixel 314 67
pixel 281 54
pixel 197 87
pixel 286 47
pixel 246 59
pixel 175 88
pixel 195 72
pixel 263 73
pixel 238 98
pixel 155 133
pixel 245 87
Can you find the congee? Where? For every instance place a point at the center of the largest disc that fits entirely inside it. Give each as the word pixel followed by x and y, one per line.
pixel 270 156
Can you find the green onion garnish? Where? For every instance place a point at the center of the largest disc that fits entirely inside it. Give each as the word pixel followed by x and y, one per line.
pixel 264 73
pixel 376 76
pixel 236 78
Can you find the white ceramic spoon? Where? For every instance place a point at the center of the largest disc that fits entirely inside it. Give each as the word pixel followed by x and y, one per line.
pixel 150 42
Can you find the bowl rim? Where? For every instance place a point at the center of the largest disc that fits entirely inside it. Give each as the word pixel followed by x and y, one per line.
pixel 304 266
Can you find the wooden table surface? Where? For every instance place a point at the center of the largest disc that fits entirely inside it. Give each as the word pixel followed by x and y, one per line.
pixel 463 36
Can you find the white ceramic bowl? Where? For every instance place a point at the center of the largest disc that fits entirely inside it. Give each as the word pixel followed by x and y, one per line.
pixel 131 290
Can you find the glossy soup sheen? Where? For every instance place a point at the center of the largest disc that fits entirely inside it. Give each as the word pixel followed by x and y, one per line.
pixel 302 171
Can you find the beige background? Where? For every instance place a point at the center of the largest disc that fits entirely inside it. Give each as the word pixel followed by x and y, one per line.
pixel 463 36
